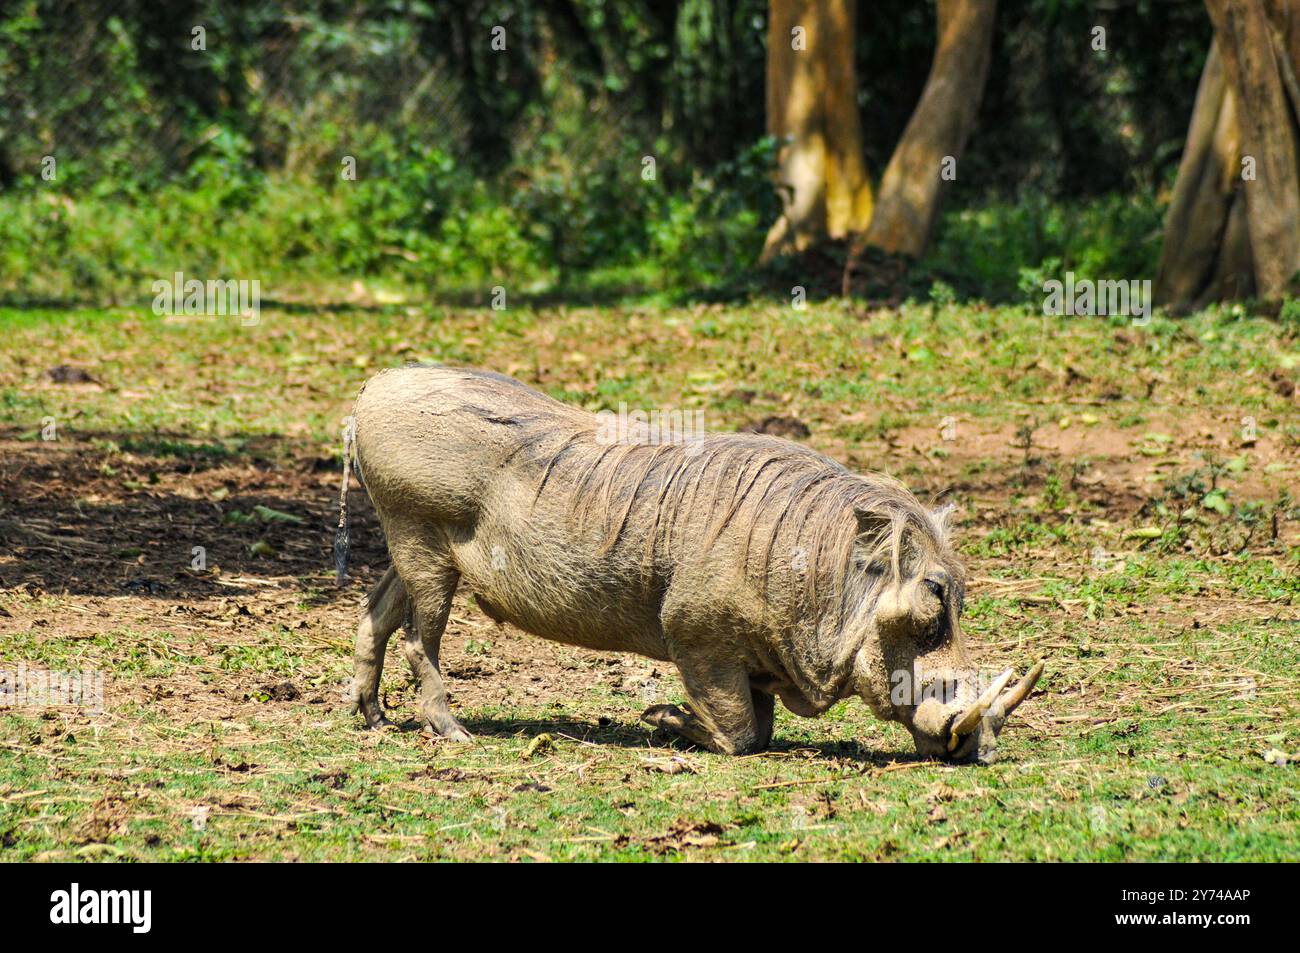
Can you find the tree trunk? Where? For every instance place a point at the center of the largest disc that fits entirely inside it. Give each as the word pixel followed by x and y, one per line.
pixel 1233 226
pixel 812 110
pixel 1206 253
pixel 940 125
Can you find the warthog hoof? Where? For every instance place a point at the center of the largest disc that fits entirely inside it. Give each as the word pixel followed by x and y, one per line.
pixel 448 728
pixel 679 721
pixel 372 713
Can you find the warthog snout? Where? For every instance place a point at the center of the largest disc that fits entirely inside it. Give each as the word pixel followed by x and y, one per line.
pixel 968 731
pixel 913 605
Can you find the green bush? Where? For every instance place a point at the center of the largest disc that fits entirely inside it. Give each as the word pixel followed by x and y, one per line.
pixel 412 216
pixel 990 251
pixel 715 231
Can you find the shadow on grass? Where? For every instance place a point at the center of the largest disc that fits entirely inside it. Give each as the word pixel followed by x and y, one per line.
pixel 153 515
pixel 625 735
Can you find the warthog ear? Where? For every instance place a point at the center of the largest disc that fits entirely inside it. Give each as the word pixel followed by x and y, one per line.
pixel 942 515
pixel 870 523
pixel 870 548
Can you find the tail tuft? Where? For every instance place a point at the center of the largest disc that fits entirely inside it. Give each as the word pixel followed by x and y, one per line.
pixel 342 541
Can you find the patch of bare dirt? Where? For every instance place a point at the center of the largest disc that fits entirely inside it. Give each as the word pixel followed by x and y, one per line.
pixel 791 428
pixel 1116 468
pixel 95 542
pixel 89 548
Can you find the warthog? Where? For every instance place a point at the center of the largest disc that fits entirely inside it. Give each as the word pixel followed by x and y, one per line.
pixel 760 568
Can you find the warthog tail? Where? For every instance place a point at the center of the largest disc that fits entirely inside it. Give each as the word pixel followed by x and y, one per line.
pixel 342 541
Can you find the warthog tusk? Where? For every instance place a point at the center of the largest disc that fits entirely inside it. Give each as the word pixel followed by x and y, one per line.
pixel 968 719
pixel 1018 694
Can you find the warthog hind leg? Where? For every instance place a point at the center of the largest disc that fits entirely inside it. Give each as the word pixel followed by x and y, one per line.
pixel 386 609
pixel 431 592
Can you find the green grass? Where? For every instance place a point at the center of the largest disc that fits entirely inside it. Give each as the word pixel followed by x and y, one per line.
pixel 983 363
pixel 1170 621
pixel 311 785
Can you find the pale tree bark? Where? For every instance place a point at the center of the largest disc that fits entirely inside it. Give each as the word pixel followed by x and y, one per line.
pixel 908 201
pixel 1206 252
pixel 812 111
pixel 1233 226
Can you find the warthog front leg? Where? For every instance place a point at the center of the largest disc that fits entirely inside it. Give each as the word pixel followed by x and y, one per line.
pixel 680 721
pixel 386 609
pixel 721 714
pixel 675 719
pixel 764 716
pixel 431 593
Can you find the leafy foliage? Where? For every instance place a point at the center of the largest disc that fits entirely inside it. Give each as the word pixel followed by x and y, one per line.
pixel 223 149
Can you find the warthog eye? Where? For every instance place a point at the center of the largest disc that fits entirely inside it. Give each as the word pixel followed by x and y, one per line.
pixel 934 635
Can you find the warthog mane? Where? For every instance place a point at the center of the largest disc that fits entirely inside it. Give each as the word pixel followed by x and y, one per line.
pixel 688 491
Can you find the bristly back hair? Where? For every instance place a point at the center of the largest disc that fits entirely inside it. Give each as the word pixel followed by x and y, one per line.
pixel 756 487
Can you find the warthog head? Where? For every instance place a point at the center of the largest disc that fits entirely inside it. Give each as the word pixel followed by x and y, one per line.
pixel 911 664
